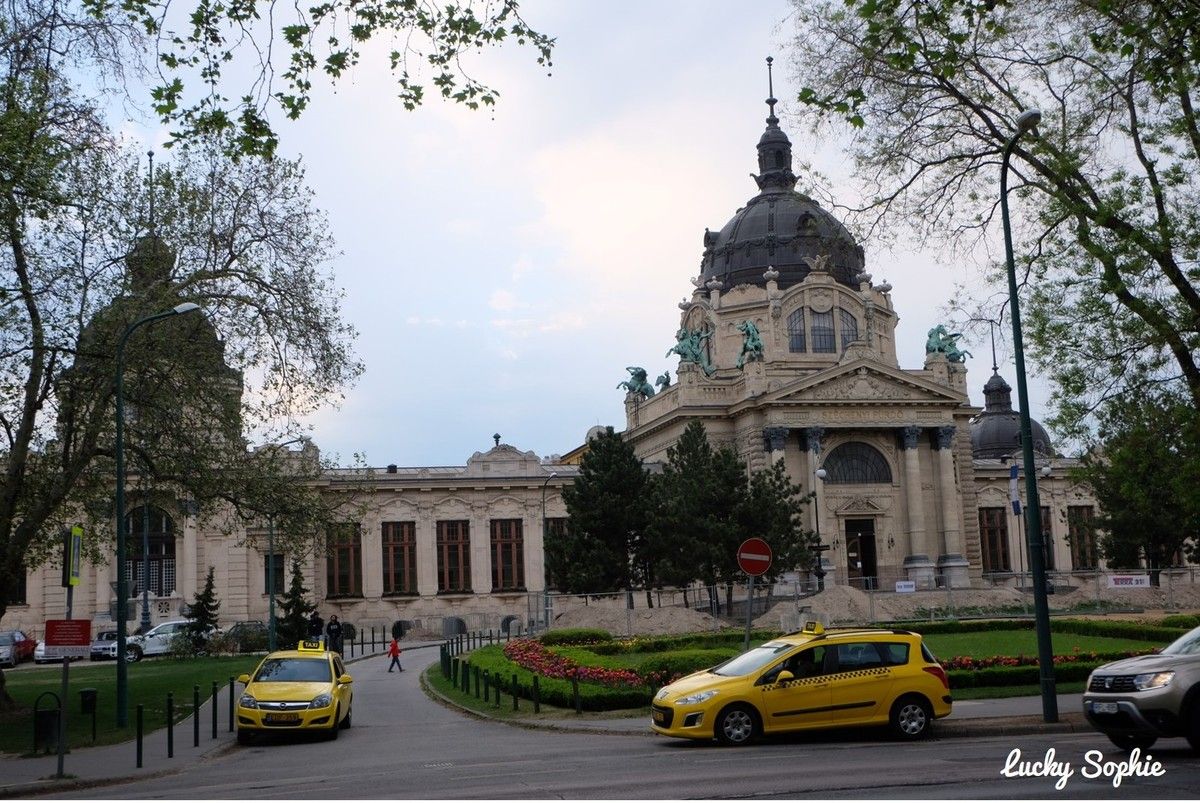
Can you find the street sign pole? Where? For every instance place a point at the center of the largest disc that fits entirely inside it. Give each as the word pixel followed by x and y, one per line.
pixel 749 605
pixel 754 558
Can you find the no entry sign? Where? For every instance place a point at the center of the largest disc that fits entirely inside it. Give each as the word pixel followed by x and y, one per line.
pixel 754 556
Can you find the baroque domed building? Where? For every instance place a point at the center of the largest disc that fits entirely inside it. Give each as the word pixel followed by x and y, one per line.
pixel 787 351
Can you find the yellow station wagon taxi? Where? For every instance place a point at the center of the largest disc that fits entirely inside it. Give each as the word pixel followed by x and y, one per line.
pixel 814 678
pixel 302 689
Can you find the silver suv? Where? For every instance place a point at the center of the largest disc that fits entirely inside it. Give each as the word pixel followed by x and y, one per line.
pixel 1134 701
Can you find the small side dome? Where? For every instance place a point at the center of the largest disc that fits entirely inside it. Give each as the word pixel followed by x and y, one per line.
pixel 996 432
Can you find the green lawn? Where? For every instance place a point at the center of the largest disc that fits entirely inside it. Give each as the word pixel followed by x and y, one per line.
pixel 1024 642
pixel 149 682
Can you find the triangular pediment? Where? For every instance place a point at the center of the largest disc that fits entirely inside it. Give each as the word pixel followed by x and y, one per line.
pixel 866 381
pixel 859 504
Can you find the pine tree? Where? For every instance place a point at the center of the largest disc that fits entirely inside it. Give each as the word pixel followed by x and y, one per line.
pixel 292 626
pixel 202 614
pixel 606 509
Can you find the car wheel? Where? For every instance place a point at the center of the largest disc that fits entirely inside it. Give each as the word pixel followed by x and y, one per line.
pixel 133 655
pixel 244 736
pixel 1128 742
pixel 910 717
pixel 737 725
pixel 346 721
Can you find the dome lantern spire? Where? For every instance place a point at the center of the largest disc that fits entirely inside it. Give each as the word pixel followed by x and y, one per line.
pixel 774 148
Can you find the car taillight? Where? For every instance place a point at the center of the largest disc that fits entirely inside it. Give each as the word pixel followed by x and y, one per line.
pixel 939 673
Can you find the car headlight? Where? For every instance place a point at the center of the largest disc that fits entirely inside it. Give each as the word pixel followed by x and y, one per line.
pixel 248 701
pixel 662 693
pixel 698 697
pixel 321 701
pixel 5 652
pixel 1152 680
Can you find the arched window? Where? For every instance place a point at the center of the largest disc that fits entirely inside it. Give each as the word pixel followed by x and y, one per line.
pixel 822 333
pixel 856 463
pixel 795 324
pixel 149 525
pixel 849 328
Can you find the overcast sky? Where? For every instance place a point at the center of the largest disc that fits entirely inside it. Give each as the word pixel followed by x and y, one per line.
pixel 503 268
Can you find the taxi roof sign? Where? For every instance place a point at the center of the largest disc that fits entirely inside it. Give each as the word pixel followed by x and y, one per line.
pixel 813 627
pixel 311 646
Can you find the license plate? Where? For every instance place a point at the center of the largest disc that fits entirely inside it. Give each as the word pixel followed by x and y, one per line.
pixel 282 718
pixel 1104 708
pixel 658 716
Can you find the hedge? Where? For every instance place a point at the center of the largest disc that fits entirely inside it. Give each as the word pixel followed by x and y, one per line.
pixel 593 696
pixel 1183 620
pixel 1016 675
pixel 682 662
pixel 574 636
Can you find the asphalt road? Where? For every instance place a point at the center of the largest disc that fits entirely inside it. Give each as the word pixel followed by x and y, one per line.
pixel 403 745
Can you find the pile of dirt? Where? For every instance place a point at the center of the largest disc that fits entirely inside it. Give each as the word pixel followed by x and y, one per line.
pixel 1168 596
pixel 621 621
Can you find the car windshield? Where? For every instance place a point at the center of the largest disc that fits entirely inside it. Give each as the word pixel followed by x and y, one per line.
pixel 107 635
pixel 1187 644
pixel 753 660
pixel 7 638
pixel 304 670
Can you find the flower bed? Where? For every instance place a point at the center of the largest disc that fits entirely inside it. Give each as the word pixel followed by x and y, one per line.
pixel 531 654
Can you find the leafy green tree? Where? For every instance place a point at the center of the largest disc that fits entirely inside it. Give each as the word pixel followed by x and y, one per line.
pixel 1107 190
pixel 1145 473
pixel 773 511
pixel 291 626
pixel 606 520
pixel 202 613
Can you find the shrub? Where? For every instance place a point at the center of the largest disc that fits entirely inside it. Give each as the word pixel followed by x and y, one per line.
pixel 1016 675
pixel 554 691
pixel 1181 620
pixel 664 669
pixel 571 636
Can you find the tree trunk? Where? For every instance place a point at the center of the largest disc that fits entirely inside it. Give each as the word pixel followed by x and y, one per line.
pixel 729 597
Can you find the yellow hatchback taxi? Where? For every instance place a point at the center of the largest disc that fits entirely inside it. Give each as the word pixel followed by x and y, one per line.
pixel 814 678
pixel 302 689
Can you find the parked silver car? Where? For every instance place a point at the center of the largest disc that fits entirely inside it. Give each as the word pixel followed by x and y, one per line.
pixel 104 646
pixel 1135 701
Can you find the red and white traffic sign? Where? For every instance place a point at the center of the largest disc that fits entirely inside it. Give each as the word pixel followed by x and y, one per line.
pixel 754 556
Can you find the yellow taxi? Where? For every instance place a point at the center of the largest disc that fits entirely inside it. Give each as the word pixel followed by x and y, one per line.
pixel 302 689
pixel 813 678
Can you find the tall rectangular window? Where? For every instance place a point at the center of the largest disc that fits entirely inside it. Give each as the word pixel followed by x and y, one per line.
pixel 1081 530
pixel 508 555
pixel 849 327
pixel 273 573
pixel 823 341
pixel 16 594
pixel 993 539
pixel 343 561
pixel 1047 539
pixel 399 557
pixel 795 325
pixel 454 557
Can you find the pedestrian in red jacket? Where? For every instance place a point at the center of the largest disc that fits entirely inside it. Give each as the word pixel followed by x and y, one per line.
pixel 394 651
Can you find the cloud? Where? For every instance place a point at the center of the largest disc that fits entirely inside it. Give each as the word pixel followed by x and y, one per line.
pixel 504 301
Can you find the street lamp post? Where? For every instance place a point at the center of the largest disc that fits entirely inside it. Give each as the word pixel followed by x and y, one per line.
pixel 545 532
pixel 271 582
pixel 818 569
pixel 1027 121
pixel 119 449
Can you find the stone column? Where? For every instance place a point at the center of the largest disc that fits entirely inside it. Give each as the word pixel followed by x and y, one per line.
pixel 372 558
pixel 952 564
pixel 185 569
pixel 427 557
pixel 917 564
pixel 481 558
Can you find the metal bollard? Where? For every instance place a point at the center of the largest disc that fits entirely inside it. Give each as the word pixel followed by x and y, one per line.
pixel 170 724
pixel 575 694
pixel 213 702
pixel 231 703
pixel 139 736
pixel 514 692
pixel 476 683
pixel 487 691
pixel 196 715
pixel 537 696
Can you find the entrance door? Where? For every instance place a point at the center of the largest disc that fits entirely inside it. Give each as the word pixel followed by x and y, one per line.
pixel 860 553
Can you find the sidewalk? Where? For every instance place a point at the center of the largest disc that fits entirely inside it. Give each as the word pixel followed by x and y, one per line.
pixel 97 766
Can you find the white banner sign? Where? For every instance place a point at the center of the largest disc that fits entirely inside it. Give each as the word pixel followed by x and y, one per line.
pixel 1128 581
pixel 906 586
pixel 67 651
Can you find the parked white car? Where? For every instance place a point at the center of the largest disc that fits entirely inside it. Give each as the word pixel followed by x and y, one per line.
pixel 155 641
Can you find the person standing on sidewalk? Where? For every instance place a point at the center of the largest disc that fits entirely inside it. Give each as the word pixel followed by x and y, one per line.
pixel 334 631
pixel 316 626
pixel 394 651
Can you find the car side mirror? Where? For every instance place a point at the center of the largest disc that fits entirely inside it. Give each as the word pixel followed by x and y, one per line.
pixel 345 679
pixel 243 678
pixel 784 676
